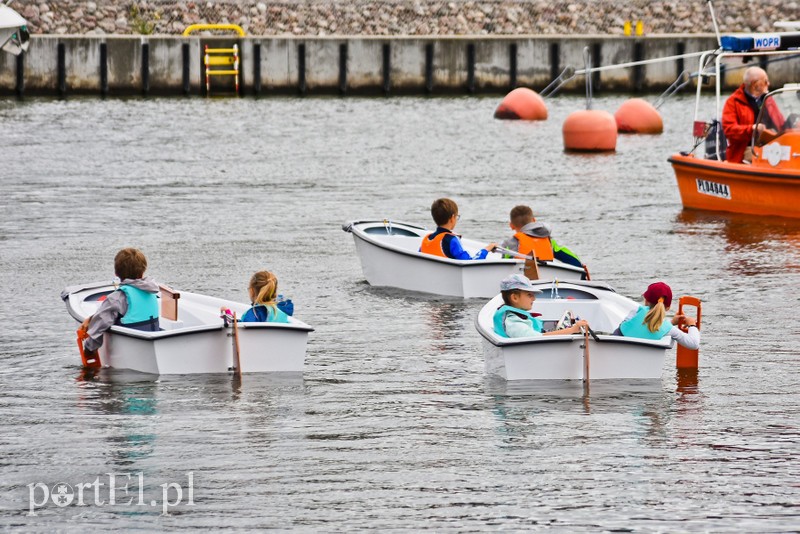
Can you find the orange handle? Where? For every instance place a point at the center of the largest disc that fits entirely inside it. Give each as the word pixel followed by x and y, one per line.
pixel 94 361
pixel 688 358
pixel 689 301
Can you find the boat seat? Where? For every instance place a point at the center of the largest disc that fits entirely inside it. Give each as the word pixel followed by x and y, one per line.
pixel 169 302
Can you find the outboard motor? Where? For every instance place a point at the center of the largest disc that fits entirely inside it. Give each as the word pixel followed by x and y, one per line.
pixel 714 140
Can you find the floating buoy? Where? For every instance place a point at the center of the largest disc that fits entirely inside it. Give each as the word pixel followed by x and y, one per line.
pixel 638 116
pixel 522 104
pixel 590 130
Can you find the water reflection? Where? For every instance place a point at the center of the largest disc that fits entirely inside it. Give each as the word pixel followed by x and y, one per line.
pixel 753 243
pixel 650 406
pixel 446 321
pixel 129 394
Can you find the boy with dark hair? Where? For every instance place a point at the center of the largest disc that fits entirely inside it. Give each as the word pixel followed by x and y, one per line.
pixel 133 305
pixel 443 242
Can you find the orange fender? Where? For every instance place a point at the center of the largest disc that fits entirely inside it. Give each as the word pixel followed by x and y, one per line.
pixel 638 116
pixel 522 104
pixel 590 130
pixel 688 358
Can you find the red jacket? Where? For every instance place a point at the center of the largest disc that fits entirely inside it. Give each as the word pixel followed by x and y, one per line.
pixel 737 122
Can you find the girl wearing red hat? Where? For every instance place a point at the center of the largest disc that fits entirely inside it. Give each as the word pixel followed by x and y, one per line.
pixel 649 322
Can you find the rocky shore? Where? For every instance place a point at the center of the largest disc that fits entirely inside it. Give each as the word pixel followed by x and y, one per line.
pixel 402 17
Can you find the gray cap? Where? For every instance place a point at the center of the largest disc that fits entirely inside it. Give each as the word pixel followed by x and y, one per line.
pixel 518 281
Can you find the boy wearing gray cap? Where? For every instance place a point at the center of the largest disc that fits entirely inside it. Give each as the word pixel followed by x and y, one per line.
pixel 514 318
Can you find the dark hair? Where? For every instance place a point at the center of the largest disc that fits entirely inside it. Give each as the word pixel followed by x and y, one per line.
pixel 520 216
pixel 130 263
pixel 442 210
pixel 507 295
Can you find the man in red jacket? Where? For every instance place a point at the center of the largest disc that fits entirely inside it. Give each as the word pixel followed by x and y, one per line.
pixel 740 112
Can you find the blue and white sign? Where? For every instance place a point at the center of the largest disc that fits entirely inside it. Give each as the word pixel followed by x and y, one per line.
pixel 766 41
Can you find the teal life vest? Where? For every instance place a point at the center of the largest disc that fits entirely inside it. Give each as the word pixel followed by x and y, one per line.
pixel 261 313
pixel 500 315
pixel 635 327
pixel 142 311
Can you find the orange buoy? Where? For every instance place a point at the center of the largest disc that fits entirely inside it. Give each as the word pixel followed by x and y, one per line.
pixel 522 104
pixel 638 116
pixel 590 130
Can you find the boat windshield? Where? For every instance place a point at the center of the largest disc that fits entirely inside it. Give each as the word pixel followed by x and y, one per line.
pixel 779 114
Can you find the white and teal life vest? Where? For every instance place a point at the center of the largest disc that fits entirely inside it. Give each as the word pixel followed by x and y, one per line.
pixel 500 319
pixel 635 327
pixel 142 309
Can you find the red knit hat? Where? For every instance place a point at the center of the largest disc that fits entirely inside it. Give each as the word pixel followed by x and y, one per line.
pixel 658 290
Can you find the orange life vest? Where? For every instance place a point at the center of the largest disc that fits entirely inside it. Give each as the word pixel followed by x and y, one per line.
pixel 539 245
pixel 434 246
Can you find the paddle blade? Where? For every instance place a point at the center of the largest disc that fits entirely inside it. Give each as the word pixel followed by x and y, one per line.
pixel 688 358
pixel 92 362
pixel 531 269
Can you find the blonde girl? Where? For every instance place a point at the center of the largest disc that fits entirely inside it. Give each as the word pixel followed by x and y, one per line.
pixel 263 291
pixel 649 321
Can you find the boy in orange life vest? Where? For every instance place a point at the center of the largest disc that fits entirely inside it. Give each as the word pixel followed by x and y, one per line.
pixel 443 242
pixel 532 236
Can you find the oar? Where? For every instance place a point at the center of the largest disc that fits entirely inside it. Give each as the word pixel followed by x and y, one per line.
pixel 236 359
pixel 229 319
pixel 513 253
pixel 586 356
pixel 594 336
pixel 531 264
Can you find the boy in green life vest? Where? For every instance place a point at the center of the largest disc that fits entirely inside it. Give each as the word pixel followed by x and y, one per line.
pixel 514 317
pixel 133 305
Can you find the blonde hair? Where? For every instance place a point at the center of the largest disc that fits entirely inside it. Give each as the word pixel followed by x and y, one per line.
pixel 264 288
pixel 655 316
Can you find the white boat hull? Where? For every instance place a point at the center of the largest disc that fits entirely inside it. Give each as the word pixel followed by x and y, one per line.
pixel 564 357
pixel 199 342
pixel 390 257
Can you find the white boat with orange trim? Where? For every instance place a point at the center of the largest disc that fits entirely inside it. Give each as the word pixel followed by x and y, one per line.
pixel 390 257
pixel 575 356
pixel 194 338
pixel 770 185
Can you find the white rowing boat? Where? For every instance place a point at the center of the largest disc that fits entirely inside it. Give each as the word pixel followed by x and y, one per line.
pixel 194 338
pixel 390 257
pixel 568 356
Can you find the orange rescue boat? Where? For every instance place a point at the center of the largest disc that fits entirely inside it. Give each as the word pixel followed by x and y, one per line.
pixel 770 183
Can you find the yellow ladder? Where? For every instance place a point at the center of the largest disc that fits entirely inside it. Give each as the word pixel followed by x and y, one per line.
pixel 227 59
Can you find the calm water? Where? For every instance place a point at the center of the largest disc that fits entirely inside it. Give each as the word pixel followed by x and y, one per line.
pixel 393 425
